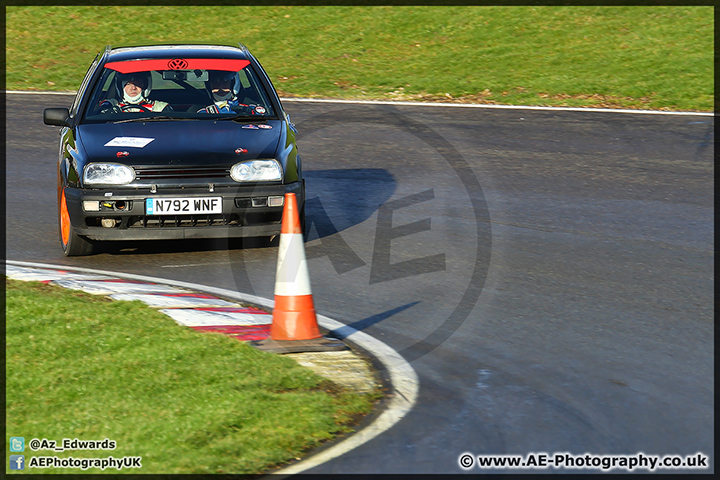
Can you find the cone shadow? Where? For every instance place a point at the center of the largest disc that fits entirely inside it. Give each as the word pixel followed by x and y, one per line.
pixel 360 325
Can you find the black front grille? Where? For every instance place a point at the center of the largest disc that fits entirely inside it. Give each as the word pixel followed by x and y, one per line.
pixel 186 221
pixel 151 174
pixel 174 221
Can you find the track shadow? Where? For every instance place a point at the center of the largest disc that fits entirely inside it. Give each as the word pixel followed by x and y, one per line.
pixel 152 247
pixel 336 200
pixel 360 325
pixel 341 198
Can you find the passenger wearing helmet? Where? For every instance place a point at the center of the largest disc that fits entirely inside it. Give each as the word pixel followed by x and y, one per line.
pixel 223 88
pixel 133 90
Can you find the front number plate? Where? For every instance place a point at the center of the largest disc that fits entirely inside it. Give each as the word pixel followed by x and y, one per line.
pixel 182 206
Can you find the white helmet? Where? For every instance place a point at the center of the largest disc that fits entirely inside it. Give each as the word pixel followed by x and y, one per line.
pixel 215 75
pixel 140 78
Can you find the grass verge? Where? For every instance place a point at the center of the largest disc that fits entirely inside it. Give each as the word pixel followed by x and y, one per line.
pixel 91 368
pixel 650 57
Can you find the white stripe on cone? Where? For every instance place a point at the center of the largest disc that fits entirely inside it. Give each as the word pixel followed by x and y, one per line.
pixel 292 277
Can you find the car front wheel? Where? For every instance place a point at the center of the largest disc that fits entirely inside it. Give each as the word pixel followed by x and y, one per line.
pixel 72 243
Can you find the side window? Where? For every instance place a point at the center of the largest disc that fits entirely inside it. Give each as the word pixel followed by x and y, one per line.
pixel 244 79
pixel 104 90
pixel 254 91
pixel 83 86
pixel 107 85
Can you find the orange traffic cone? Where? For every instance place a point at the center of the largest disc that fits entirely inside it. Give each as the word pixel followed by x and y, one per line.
pixel 294 322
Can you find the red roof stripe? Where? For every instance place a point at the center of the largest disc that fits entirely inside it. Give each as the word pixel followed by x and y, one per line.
pixel 132 66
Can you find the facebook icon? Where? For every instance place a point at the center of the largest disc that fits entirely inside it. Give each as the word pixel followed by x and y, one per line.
pixel 17 462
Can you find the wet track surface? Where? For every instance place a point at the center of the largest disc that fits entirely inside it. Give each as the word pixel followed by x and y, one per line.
pixel 549 274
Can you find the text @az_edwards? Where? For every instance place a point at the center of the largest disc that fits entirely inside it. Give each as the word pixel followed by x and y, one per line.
pixel 71 444
pixel 20 462
pixel 639 461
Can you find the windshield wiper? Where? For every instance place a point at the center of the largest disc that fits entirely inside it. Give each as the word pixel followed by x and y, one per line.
pixel 245 118
pixel 159 118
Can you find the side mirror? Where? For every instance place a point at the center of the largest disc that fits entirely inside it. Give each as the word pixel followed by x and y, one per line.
pixel 290 123
pixel 56 116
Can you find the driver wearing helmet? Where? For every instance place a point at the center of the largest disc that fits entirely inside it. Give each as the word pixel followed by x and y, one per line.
pixel 223 86
pixel 133 89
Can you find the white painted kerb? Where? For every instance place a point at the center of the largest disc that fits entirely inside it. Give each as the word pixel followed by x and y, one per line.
pixel 403 377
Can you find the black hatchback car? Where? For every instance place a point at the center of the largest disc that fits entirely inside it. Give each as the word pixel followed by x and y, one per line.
pixel 174 142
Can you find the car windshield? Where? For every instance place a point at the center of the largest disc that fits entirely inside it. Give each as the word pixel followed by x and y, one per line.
pixel 169 89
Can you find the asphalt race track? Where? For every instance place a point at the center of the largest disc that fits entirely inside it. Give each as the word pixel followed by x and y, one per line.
pixel 548 274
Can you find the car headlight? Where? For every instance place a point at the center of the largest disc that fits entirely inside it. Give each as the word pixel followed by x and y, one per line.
pixel 108 174
pixel 256 171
